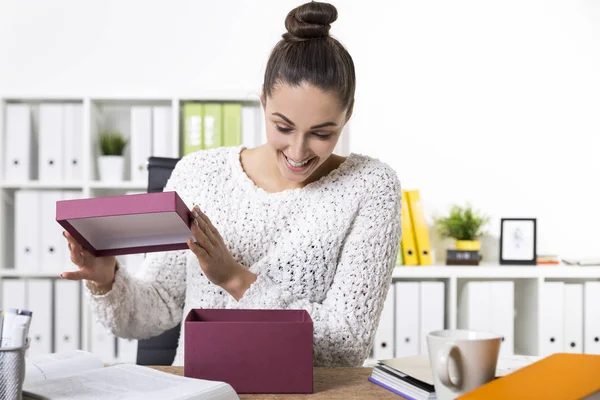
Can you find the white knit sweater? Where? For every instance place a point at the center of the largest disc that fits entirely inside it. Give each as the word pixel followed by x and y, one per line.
pixel 328 248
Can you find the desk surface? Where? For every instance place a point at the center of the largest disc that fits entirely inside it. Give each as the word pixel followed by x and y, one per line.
pixel 329 383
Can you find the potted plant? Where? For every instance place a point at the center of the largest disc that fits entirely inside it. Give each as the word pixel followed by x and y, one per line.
pixel 464 225
pixel 111 161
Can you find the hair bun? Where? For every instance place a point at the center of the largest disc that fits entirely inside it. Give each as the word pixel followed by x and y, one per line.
pixel 310 21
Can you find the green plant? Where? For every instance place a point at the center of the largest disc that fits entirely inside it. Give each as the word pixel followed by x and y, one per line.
pixel 463 223
pixel 112 144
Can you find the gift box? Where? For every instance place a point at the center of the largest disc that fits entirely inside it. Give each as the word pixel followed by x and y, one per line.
pixel 255 351
pixel 129 224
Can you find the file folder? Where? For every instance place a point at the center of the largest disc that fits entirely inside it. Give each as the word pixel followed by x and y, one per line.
pixel 475 306
pixel 27 239
pixel 553 315
pixel 51 139
pixel 232 124
pixel 559 376
pixel 39 301
pixel 193 127
pixel 573 322
pixel 407 312
pixel 52 244
pixel 18 154
pixel 432 306
pixel 503 314
pixel 591 317
pixel 251 126
pixel 213 125
pixel 140 147
pixel 419 227
pixel 383 347
pixel 407 242
pixel 67 315
pixel 127 350
pixel 14 294
pixel 73 142
pixel 162 137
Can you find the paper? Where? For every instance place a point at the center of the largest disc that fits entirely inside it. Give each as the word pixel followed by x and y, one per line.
pixel 418 366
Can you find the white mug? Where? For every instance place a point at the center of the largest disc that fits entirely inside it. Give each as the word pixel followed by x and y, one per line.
pixel 462 360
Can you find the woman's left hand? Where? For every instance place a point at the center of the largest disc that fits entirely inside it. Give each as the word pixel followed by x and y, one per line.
pixel 216 261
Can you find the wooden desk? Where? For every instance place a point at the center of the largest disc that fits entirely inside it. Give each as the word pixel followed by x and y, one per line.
pixel 329 383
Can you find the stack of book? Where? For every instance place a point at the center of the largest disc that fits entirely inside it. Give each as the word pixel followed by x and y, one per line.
pixel 462 257
pixel 547 259
pixel 410 377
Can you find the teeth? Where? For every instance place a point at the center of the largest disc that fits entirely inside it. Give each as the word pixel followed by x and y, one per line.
pixel 295 164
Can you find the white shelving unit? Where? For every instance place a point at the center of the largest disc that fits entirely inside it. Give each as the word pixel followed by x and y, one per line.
pixel 528 293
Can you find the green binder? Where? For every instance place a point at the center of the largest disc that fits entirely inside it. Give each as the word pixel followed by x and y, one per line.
pixel 232 124
pixel 213 125
pixel 193 127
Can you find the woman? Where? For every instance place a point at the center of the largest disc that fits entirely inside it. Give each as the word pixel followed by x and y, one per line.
pixel 292 226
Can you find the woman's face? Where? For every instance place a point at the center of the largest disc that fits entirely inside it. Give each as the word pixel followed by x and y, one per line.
pixel 303 126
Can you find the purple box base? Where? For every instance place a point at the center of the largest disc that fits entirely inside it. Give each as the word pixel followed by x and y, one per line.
pixel 255 351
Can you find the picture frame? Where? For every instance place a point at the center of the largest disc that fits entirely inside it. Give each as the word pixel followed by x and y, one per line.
pixel 518 241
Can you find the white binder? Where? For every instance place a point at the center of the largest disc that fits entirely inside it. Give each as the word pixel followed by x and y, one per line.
pixel 383 348
pixel 73 143
pixel 39 301
pixel 51 140
pixel 591 307
pixel 162 139
pixel 66 315
pixel 140 147
pixel 573 322
pixel 103 342
pixel 19 142
pixel 251 126
pixel 52 242
pixel 502 301
pixel 431 302
pixel 553 315
pixel 475 306
pixel 127 350
pixel 66 264
pixel 27 239
pixel 14 294
pixel 407 319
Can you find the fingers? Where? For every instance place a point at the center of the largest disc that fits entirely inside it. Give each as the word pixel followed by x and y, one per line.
pixel 75 275
pixel 204 223
pixel 197 249
pixel 79 256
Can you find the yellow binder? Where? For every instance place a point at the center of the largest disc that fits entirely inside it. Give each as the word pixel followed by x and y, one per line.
pixel 419 227
pixel 407 242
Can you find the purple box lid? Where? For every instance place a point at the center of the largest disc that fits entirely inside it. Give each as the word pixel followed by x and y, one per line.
pixel 255 351
pixel 128 224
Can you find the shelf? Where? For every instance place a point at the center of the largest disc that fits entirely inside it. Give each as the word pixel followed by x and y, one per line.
pixel 40 185
pixel 142 185
pixel 496 271
pixel 12 273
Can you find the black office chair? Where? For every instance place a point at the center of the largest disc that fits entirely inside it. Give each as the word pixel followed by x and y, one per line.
pixel 161 349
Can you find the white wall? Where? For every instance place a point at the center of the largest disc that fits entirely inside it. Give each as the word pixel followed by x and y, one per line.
pixel 494 102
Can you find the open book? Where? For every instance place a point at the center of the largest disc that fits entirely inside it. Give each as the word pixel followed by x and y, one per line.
pixel 81 375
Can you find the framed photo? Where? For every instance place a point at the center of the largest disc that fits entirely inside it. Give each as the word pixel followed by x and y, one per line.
pixel 518 241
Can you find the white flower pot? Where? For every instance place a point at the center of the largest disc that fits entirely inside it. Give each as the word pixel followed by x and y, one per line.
pixel 111 168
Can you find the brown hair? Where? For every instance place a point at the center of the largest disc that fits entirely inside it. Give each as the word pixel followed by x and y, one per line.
pixel 308 54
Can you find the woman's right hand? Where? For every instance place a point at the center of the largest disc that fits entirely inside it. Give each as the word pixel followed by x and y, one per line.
pixel 99 270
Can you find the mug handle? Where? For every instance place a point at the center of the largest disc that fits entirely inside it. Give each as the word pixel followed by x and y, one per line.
pixel 443 366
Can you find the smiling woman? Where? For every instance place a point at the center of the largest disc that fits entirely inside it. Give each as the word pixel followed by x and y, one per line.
pixel 287 225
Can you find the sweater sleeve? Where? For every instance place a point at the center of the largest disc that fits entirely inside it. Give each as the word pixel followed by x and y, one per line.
pixel 151 302
pixel 344 323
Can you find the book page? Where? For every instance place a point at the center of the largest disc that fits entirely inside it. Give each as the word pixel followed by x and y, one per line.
pixel 508 364
pixel 128 381
pixel 56 365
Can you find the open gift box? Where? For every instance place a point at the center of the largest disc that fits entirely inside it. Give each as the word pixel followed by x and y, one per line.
pixel 255 351
pixel 129 224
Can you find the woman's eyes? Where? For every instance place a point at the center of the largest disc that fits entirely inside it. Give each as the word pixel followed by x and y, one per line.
pixel 288 130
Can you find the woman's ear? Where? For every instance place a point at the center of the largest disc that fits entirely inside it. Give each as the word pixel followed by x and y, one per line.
pixel 350 110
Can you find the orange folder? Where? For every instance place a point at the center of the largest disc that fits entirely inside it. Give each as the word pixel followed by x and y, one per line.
pixel 559 376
